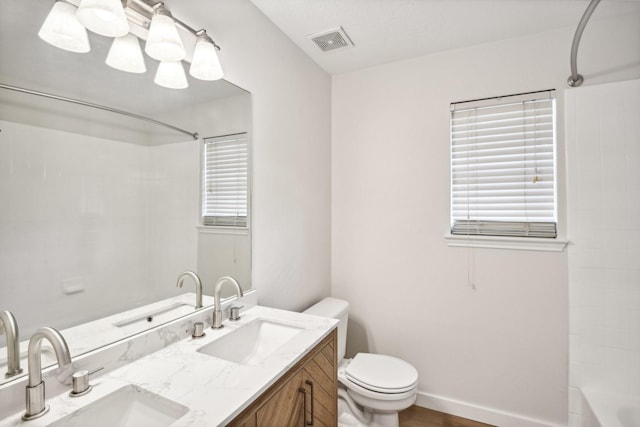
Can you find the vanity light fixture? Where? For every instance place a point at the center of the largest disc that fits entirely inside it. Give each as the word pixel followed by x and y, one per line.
pixel 62 29
pixel 171 75
pixel 125 55
pixel 205 64
pixel 164 42
pixel 104 17
pixel 127 20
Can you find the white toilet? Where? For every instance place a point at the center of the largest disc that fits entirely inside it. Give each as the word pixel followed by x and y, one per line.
pixel 373 387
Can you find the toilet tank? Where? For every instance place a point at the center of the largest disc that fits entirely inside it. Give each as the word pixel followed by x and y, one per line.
pixel 336 309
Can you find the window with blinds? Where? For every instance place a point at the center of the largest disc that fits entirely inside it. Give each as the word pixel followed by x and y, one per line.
pixel 225 180
pixel 503 166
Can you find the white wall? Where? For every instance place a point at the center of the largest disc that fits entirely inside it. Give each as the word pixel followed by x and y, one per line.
pixel 603 132
pixel 497 353
pixel 173 215
pixel 291 101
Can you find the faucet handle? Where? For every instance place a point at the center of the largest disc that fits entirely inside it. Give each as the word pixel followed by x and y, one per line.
pixel 234 313
pixel 81 384
pixel 197 331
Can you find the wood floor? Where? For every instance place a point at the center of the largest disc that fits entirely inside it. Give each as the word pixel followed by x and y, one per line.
pixel 416 416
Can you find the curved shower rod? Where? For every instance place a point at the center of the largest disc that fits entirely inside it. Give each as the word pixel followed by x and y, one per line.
pixel 576 79
pixel 193 135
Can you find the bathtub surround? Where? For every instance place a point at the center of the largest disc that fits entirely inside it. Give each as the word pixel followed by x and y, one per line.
pixel 84 222
pixel 602 409
pixel 496 353
pixel 604 276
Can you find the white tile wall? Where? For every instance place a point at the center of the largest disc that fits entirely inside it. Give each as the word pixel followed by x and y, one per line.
pixel 603 152
pixel 75 209
pixel 174 201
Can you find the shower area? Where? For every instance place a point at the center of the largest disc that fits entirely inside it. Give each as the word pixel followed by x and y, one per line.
pixel 603 180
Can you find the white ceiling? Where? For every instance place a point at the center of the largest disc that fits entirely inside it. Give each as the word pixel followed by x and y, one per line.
pixel 382 30
pixel 391 30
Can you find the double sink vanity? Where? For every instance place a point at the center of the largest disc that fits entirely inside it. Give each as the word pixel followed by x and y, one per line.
pixel 269 367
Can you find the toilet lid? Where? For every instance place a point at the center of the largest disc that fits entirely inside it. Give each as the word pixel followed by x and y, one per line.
pixel 380 373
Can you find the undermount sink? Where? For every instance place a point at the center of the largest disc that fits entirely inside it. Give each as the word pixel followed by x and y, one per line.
pixel 252 343
pixel 142 321
pixel 128 406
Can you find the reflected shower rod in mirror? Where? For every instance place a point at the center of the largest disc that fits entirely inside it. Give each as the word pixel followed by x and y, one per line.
pixel 194 135
pixel 127 21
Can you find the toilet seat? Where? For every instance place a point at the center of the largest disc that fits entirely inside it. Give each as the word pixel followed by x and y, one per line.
pixel 381 374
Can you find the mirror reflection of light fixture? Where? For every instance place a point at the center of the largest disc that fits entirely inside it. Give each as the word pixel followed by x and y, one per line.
pixel 125 55
pixel 171 75
pixel 104 17
pixel 164 42
pixel 62 29
pixel 66 28
pixel 205 64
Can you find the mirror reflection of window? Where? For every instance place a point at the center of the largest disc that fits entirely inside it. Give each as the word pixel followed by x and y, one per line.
pixel 225 181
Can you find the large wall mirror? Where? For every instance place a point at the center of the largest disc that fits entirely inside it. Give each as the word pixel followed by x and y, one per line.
pixel 100 212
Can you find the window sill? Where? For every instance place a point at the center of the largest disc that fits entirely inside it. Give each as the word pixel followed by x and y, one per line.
pixel 498 242
pixel 212 229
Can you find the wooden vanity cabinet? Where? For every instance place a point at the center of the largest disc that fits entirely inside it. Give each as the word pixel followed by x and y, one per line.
pixel 305 396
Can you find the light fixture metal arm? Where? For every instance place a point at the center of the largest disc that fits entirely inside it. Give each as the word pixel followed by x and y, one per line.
pixel 151 7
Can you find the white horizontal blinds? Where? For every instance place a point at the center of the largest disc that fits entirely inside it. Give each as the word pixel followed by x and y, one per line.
pixel 503 166
pixel 225 177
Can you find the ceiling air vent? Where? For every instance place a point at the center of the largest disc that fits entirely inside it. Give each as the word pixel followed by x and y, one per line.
pixel 335 38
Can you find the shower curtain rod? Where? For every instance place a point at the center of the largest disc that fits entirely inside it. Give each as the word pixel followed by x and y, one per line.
pixel 194 135
pixel 576 79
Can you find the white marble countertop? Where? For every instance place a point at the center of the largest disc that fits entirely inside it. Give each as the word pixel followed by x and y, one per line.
pixel 83 338
pixel 214 390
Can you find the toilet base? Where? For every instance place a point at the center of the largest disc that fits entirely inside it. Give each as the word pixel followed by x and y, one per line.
pixel 346 417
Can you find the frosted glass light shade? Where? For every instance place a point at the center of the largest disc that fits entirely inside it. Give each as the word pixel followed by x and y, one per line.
pixel 205 64
pixel 171 75
pixel 125 55
pixel 104 17
pixel 164 42
pixel 62 29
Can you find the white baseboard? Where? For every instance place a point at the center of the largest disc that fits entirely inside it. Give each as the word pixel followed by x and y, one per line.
pixel 478 413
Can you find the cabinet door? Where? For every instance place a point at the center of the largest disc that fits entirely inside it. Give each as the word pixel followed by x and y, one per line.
pixel 285 408
pixel 244 420
pixel 320 385
pixel 306 394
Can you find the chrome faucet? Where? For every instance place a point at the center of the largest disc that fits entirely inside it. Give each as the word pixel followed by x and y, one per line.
pixel 35 404
pixel 217 313
pixel 196 279
pixel 9 324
